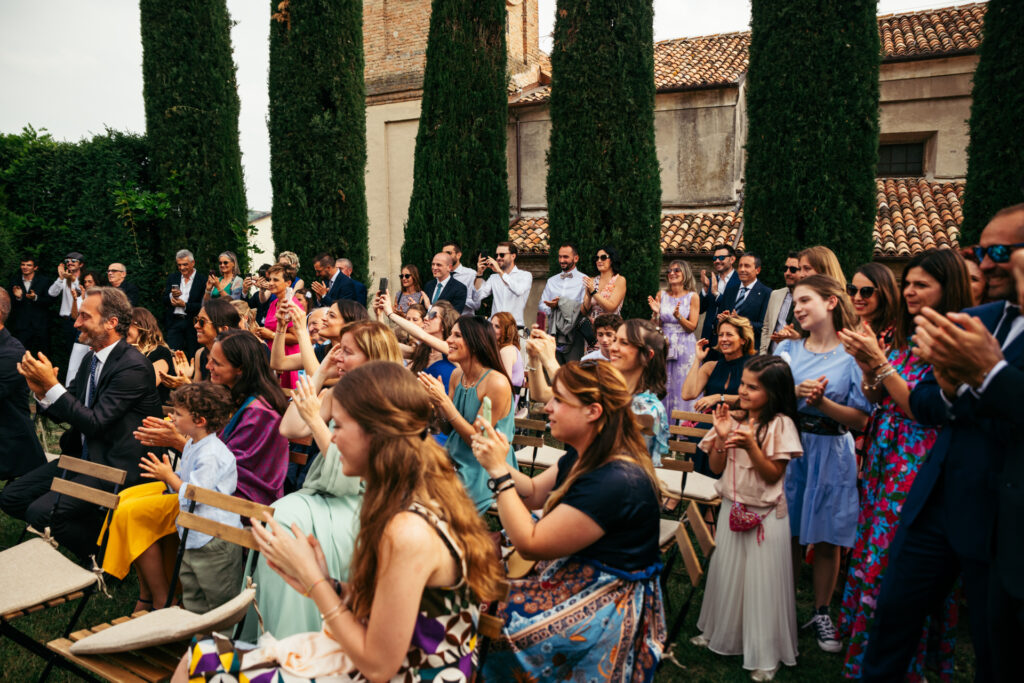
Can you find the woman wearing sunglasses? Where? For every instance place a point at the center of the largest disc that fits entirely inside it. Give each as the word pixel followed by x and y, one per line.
pixel 606 293
pixel 674 310
pixel 875 299
pixel 229 283
pixel 897 447
pixel 412 290
pixel 430 355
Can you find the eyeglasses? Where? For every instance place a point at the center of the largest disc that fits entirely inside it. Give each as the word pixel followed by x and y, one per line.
pixel 431 315
pixel 501 255
pixel 225 263
pixel 675 270
pixel 999 253
pixel 405 276
pixel 114 270
pixel 602 257
pixel 201 322
pixel 719 258
pixel 865 292
pixel 791 269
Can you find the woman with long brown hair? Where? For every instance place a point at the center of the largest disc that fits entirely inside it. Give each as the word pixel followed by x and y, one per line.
pixel 598 534
pixel 411 290
pixel 145 335
pixel 420 541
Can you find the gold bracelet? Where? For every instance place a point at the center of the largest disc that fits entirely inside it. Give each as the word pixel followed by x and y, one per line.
pixel 340 607
pixel 313 585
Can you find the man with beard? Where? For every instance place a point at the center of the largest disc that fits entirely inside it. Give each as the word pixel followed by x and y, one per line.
pixel 104 404
pixel 563 294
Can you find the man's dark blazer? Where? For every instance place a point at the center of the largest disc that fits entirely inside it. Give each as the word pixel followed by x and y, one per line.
pixel 343 288
pixel 711 308
pixel 30 319
pixel 131 290
pixel 195 295
pixel 754 308
pixel 20 450
pixel 360 288
pixel 454 292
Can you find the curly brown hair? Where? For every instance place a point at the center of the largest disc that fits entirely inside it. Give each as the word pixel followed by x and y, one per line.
pixel 205 400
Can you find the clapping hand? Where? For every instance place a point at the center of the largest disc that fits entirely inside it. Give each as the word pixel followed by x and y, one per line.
pixel 958 346
pixel 184 366
pixel 540 346
pixel 298 558
pixel 588 284
pixel 156 468
pixel 655 303
pixel 812 389
pixel 741 437
pixel 435 389
pixel 318 288
pixel 787 332
pixel 863 346
pixel 16 291
pixel 305 400
pixel 722 421
pixel 39 373
pixel 159 434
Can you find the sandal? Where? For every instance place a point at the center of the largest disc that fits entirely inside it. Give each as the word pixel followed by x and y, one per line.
pixel 143 605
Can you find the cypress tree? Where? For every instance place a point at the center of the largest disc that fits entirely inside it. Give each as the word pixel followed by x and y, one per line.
pixel 995 166
pixel 192 126
pixel 317 130
pixel 460 188
pixel 603 184
pixel 812 142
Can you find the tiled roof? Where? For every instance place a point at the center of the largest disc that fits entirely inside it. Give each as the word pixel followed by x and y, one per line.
pixel 913 215
pixel 708 61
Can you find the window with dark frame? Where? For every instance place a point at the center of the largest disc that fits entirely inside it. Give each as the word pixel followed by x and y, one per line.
pixel 904 159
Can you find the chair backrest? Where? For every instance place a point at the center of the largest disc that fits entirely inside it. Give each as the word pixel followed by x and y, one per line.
pixel 694 567
pixel 527 425
pixel 296 453
pixel 245 508
pixel 89 494
pixel 686 444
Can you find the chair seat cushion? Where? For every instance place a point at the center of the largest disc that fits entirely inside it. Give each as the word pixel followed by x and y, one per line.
pixel 547 456
pixel 166 625
pixel 34 571
pixel 667 531
pixel 671 479
pixel 700 487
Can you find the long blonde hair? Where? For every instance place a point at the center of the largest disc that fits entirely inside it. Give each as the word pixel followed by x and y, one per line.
pixel 405 466
pixel 824 262
pixel 374 339
pixel 618 432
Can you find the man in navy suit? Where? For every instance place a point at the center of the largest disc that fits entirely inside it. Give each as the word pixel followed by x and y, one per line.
pixel 752 296
pixel 20 450
pixel 719 291
pixel 450 289
pixel 947 522
pixel 333 285
pixel 30 316
pixel 346 268
pixel 182 297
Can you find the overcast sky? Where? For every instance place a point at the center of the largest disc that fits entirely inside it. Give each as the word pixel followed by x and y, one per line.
pixel 74 67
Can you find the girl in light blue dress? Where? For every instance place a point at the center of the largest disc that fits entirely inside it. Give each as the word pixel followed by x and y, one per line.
pixel 821 487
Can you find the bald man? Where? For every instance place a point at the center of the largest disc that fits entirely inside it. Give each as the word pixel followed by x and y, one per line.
pixel 117 277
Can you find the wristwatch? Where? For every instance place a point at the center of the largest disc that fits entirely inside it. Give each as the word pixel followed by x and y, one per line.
pixel 495 483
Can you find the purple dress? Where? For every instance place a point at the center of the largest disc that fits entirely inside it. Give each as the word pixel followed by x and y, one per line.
pixel 261 453
pixel 682 346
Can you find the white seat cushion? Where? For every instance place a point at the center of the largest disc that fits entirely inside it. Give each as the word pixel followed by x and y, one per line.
pixel 667 531
pixel 34 571
pixel 700 487
pixel 672 480
pixel 547 456
pixel 166 625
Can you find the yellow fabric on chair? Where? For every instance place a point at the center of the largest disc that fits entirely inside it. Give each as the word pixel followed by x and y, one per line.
pixel 144 515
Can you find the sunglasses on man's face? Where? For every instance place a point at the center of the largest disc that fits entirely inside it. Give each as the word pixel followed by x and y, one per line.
pixel 719 258
pixel 791 269
pixel 865 292
pixel 999 253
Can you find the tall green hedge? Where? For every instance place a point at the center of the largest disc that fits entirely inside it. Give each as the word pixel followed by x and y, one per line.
pixel 192 126
pixel 603 184
pixel 460 188
pixel 95 196
pixel 812 141
pixel 318 130
pixel 995 164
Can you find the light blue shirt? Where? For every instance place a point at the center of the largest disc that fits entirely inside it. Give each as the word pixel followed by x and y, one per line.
pixel 208 464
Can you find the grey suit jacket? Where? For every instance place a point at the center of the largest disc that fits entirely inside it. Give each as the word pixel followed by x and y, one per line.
pixel 771 317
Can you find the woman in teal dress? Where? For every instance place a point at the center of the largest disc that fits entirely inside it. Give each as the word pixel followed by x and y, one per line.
pixel 229 283
pixel 897 447
pixel 479 374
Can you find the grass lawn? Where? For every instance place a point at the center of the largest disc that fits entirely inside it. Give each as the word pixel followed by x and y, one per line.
pixel 701 665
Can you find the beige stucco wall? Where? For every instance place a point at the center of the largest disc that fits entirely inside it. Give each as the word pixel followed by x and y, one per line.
pixel 261 244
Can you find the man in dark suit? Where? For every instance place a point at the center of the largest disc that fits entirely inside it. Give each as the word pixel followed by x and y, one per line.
pixel 450 289
pixel 333 285
pixel 183 297
pixel 20 450
pixel 946 524
pixel 346 268
pixel 104 404
pixel 719 291
pixel 117 276
pixel 752 296
pixel 30 315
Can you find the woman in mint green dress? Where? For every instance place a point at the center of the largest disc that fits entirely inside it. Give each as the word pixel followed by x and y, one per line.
pixel 479 374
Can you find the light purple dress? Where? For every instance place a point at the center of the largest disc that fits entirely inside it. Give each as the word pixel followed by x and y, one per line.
pixel 682 346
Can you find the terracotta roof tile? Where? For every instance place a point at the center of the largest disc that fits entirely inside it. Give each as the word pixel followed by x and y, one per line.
pixel 708 61
pixel 913 215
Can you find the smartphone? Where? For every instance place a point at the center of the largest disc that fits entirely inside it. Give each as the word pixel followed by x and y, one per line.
pixel 289 293
pixel 542 321
pixel 213 273
pixel 485 412
pixel 383 286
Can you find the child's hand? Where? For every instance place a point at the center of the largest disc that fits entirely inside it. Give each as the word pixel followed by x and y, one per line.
pixel 156 469
pixel 721 421
pixel 743 438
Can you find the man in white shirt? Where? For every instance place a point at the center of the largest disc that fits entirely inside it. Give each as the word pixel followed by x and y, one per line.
pixel 780 306
pixel 183 301
pixel 509 286
pixel 567 284
pixel 65 287
pixel 466 276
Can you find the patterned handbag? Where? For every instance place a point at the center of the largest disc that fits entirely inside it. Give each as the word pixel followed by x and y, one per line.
pixel 740 518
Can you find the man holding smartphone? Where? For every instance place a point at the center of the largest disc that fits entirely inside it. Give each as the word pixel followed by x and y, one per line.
pixel 64 288
pixel 509 286
pixel 183 299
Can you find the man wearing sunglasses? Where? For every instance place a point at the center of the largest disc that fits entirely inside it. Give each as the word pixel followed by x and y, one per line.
pixel 971 481
pixel 780 306
pixel 117 276
pixel 719 291
pixel 509 286
pixel 466 276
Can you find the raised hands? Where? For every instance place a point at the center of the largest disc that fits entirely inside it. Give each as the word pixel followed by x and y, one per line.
pixel 306 401
pixel 812 389
pixel 703 348
pixel 157 468
pixel 655 303
pixel 722 421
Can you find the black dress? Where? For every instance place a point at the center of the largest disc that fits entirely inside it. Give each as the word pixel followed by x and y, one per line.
pixel 163 353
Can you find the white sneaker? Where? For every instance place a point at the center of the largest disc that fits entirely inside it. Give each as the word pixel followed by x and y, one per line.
pixel 825 632
pixel 699 641
pixel 764 674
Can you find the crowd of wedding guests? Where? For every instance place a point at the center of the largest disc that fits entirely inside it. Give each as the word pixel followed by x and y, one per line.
pixel 864 426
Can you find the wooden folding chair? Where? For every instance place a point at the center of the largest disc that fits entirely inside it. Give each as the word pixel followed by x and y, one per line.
pixel 530 435
pixel 157 662
pixel 34 575
pixel 695 566
pixel 694 485
pixel 298 450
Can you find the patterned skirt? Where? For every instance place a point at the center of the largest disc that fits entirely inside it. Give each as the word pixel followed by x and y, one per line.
pixel 571 619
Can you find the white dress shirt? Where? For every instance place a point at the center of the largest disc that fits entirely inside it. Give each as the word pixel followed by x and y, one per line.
pixel 467 276
pixel 185 287
pixel 510 291
pixel 57 390
pixel 568 285
pixel 1016 329
pixel 62 287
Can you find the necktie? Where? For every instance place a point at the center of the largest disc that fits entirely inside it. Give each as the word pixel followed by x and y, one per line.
pixel 90 398
pixel 789 313
pixel 437 293
pixel 741 297
pixel 1004 327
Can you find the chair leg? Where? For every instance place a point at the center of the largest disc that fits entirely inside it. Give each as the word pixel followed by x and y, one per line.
pixel 40 650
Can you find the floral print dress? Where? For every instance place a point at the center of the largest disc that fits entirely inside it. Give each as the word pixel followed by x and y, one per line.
pixel 896 450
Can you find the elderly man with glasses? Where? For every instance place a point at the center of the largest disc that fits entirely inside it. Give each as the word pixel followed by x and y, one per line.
pixel 117 276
